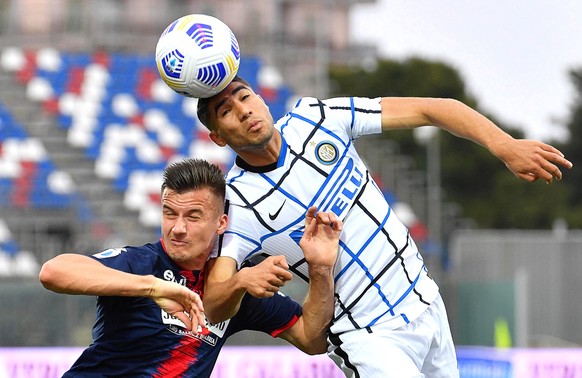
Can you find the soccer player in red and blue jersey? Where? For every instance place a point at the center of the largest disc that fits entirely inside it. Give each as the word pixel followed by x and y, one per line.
pixel 149 311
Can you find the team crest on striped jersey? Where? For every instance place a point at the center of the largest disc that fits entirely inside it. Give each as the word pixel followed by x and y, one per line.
pixel 326 152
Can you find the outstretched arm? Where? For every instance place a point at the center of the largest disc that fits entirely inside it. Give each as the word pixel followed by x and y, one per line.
pixel 79 274
pixel 320 246
pixel 527 159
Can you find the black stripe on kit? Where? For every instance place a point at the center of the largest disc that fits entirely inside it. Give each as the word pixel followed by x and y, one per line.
pixel 344 311
pixel 338 351
pixel 397 256
pixel 221 237
pixel 250 207
pixel 297 157
pixel 295 269
pixel 357 110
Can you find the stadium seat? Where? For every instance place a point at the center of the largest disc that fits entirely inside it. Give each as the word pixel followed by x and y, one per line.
pixel 118 111
pixel 13 260
pixel 26 174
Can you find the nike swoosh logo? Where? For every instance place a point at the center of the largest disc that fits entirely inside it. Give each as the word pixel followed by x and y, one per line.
pixel 274 216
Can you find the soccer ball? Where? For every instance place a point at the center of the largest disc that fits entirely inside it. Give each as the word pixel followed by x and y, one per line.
pixel 197 55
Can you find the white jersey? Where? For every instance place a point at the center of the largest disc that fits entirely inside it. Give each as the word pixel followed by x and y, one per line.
pixel 380 276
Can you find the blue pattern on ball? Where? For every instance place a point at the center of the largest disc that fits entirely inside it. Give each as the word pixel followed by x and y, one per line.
pixel 212 75
pixel 173 62
pixel 202 34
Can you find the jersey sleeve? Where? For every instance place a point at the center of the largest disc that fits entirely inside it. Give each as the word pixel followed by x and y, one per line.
pixel 269 315
pixel 368 116
pixel 241 239
pixel 357 115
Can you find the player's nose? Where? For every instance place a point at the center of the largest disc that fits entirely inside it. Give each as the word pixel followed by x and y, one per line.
pixel 243 110
pixel 179 226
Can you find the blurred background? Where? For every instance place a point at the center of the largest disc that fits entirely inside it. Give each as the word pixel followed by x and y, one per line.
pixel 86 127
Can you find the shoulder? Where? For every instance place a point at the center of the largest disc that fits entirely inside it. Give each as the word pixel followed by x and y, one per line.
pixel 347 105
pixel 150 249
pixel 304 103
pixel 136 259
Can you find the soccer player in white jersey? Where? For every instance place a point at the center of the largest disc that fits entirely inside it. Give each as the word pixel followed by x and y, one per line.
pixel 389 318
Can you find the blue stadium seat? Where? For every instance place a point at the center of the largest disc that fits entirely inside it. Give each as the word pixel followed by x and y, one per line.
pixel 135 75
pixel 31 186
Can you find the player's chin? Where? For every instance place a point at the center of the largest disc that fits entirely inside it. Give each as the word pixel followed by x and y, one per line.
pixel 179 254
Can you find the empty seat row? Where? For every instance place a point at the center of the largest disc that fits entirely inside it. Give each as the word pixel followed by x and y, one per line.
pixel 119 112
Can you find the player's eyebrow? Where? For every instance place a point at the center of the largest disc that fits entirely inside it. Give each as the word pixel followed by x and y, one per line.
pixel 187 212
pixel 225 98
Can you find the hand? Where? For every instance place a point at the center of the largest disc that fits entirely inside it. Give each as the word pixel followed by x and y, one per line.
pixel 531 160
pixel 320 241
pixel 180 302
pixel 264 280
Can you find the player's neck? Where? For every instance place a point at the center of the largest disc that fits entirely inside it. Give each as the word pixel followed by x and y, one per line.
pixel 264 155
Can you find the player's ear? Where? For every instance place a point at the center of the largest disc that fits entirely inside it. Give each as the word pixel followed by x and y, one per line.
pixel 222 223
pixel 217 139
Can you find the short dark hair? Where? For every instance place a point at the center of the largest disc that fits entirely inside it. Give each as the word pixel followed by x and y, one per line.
pixel 194 174
pixel 203 112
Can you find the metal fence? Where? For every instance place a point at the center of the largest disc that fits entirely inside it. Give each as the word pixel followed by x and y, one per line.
pixel 531 279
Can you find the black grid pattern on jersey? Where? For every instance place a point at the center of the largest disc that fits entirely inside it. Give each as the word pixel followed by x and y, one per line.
pixel 300 157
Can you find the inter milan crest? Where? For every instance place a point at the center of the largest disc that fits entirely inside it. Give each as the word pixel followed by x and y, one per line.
pixel 326 153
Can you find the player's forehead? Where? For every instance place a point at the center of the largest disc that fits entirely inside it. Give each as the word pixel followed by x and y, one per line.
pixel 227 93
pixel 202 199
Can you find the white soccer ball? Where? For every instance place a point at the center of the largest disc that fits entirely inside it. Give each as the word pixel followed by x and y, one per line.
pixel 197 55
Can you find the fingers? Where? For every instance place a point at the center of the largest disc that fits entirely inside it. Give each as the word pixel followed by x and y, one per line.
pixel 283 276
pixel 280 261
pixel 310 225
pixel 267 277
pixel 536 160
pixel 545 170
pixel 193 314
pixel 529 177
pixel 327 218
pixel 198 319
pixel 310 214
pixel 197 310
pixel 552 158
pixel 184 319
pixel 330 219
pixel 555 156
pixel 267 290
pixel 550 171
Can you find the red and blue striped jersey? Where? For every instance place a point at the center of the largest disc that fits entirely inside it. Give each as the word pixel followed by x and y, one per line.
pixel 134 337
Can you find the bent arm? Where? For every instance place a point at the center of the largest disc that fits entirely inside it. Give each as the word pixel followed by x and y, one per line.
pixel 320 247
pixel 309 333
pixel 79 274
pixel 527 159
pixel 82 275
pixel 223 292
pixel 225 287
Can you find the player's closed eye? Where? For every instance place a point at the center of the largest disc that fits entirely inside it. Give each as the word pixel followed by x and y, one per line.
pixel 168 213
